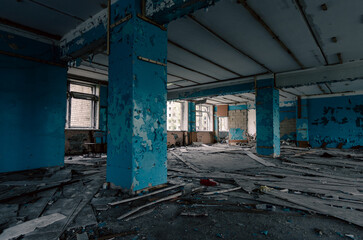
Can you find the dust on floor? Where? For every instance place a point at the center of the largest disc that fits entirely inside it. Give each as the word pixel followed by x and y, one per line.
pixel 304 194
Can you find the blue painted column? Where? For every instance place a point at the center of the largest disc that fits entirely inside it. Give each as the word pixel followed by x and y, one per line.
pixel 267 118
pixel 302 123
pixel 136 151
pixel 192 127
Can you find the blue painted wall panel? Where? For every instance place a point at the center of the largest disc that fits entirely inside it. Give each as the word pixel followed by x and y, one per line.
pixel 286 114
pixel 32 118
pixel 336 120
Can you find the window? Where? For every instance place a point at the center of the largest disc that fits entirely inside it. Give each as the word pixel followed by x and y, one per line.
pixel 223 124
pixel 177 116
pixel 82 105
pixel 204 117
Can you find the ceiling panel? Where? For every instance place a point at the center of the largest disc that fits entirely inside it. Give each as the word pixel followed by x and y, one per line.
pixel 343 20
pixel 191 61
pixel 235 24
pixel 173 69
pixel 286 21
pixel 347 86
pixel 35 16
pixel 190 35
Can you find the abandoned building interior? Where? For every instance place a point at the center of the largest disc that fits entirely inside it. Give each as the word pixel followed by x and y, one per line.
pixel 181 119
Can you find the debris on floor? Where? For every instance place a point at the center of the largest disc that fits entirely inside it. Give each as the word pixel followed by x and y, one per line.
pixel 217 191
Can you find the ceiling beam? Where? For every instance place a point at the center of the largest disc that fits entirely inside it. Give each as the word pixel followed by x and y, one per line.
pixel 228 43
pixel 328 88
pixel 320 88
pixel 323 74
pixel 302 12
pixel 201 57
pixel 29 29
pixel 245 97
pixel 182 79
pixel 269 30
pixel 57 10
pixel 193 70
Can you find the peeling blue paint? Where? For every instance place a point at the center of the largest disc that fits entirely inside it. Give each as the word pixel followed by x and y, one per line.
pixel 302 124
pixel 164 11
pixel 33 109
pixel 336 120
pixel 136 103
pixel 267 118
pixel 237 134
pixel 287 113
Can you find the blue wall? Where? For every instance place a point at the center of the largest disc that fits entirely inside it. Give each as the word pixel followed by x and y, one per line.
pixel 287 113
pixel 32 118
pixel 336 119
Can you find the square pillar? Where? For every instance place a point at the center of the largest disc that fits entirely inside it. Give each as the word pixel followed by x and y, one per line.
pixel 302 123
pixel 136 140
pixel 192 128
pixel 267 118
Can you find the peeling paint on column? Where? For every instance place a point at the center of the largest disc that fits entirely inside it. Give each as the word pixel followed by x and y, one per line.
pixel 267 118
pixel 137 103
pixel 164 11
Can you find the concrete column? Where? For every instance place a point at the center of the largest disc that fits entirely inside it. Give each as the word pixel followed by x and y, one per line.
pixel 136 151
pixel 267 118
pixel 302 125
pixel 192 127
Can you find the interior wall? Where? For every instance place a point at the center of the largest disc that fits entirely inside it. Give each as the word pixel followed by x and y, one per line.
pixel 288 120
pixel 33 111
pixel 336 120
pixel 251 122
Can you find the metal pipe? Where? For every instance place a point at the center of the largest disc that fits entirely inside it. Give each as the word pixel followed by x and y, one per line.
pixel 269 30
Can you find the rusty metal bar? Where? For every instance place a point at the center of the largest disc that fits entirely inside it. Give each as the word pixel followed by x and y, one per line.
pixel 151 61
pixel 269 30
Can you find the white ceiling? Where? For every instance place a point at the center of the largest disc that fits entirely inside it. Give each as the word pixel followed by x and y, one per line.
pixel 225 41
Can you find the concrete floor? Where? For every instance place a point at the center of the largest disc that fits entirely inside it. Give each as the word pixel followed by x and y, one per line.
pixel 305 195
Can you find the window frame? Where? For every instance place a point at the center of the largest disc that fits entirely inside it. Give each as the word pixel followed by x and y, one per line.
pixel 94 97
pixel 210 117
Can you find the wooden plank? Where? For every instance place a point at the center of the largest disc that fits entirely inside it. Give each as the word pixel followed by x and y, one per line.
pixel 319 205
pixel 186 163
pixel 30 226
pixel 321 174
pixel 223 191
pixel 150 204
pixel 144 196
pixel 259 160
